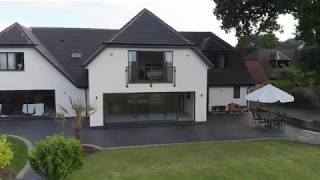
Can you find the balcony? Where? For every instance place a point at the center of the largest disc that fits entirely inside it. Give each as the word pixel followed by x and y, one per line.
pixel 150 74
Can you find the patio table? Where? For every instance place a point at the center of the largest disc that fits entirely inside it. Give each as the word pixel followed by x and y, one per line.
pixel 268 117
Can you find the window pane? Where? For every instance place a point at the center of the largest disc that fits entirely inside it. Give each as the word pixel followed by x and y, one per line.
pixel 11 61
pixel 132 56
pixel 169 63
pixel 19 61
pixel 236 92
pixel 221 61
pixel 168 57
pixel 3 61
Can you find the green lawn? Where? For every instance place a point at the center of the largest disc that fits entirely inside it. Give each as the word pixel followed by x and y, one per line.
pixel 265 159
pixel 20 155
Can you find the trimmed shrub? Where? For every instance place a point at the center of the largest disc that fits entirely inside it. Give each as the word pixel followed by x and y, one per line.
pixel 56 157
pixel 6 153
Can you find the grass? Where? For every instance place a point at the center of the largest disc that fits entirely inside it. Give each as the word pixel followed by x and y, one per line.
pixel 265 159
pixel 20 155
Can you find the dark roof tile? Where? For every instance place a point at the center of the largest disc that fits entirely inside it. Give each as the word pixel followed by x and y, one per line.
pixel 14 35
pixel 146 28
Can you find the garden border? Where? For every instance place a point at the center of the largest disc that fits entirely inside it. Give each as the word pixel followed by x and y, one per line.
pixel 29 145
pixel 203 142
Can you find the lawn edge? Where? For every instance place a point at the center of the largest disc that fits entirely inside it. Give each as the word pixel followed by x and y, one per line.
pixel 195 142
pixel 27 166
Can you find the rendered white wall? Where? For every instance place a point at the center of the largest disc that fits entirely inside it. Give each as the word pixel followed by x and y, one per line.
pixel 107 75
pixel 222 96
pixel 188 104
pixel 39 74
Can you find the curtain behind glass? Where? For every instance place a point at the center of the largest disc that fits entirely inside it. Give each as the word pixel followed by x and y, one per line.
pixel 168 56
pixel 11 61
pixel 3 61
pixel 133 73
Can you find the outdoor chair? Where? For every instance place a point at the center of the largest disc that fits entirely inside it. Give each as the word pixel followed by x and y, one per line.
pixel 257 118
pixel 279 121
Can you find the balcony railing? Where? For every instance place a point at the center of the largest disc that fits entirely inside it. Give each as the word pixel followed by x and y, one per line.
pixel 150 74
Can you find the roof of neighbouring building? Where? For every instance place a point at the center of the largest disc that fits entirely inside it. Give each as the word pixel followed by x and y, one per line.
pixel 256 71
pixel 56 44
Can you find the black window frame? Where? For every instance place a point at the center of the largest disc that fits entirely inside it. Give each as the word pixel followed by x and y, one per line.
pixel 7 61
pixel 236 92
pixel 136 51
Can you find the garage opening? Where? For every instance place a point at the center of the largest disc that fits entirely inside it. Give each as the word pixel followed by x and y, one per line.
pixel 27 103
pixel 149 107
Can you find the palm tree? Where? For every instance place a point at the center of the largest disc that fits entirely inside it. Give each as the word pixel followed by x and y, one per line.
pixel 78 110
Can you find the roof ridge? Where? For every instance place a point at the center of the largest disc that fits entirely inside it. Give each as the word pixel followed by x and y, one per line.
pixel 223 41
pixel 167 25
pixel 126 25
pixel 21 27
pixel 8 28
pixel 76 28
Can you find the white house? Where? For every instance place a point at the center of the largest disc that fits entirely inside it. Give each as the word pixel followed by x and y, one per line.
pixel 146 72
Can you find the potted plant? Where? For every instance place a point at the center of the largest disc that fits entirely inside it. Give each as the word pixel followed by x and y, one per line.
pixel 6 156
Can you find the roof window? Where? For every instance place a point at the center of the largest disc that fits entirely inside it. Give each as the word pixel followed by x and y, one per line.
pixel 76 54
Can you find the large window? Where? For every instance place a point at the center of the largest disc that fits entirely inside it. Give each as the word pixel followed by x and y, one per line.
pixel 32 103
pixel 11 61
pixel 143 107
pixel 150 66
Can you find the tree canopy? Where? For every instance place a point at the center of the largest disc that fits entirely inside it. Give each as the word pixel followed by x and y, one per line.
pixel 250 17
pixel 258 41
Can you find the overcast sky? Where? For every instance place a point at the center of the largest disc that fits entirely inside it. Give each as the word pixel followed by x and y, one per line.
pixel 183 15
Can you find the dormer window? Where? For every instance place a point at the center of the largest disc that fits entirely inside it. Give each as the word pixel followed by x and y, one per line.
pixel 76 54
pixel 11 61
pixel 220 61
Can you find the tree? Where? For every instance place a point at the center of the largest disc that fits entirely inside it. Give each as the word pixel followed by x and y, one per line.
pixel 250 17
pixel 258 41
pixel 79 109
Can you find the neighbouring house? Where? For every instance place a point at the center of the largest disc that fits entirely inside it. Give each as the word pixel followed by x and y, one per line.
pixel 144 72
pixel 271 60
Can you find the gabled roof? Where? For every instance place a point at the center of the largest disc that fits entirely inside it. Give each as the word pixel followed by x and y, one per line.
pixel 208 42
pixel 57 44
pixel 14 35
pixel 62 41
pixel 147 28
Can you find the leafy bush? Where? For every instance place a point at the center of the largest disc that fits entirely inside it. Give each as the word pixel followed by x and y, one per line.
pixel 6 153
pixel 56 157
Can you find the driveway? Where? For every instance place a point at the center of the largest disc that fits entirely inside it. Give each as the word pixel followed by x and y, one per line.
pixel 218 127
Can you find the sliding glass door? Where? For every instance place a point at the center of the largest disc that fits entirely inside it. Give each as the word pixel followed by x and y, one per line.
pixel 142 107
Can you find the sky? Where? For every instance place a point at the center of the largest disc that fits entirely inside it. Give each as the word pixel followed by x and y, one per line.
pixel 182 15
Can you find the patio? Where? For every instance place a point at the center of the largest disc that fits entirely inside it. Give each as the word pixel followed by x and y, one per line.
pixel 219 127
